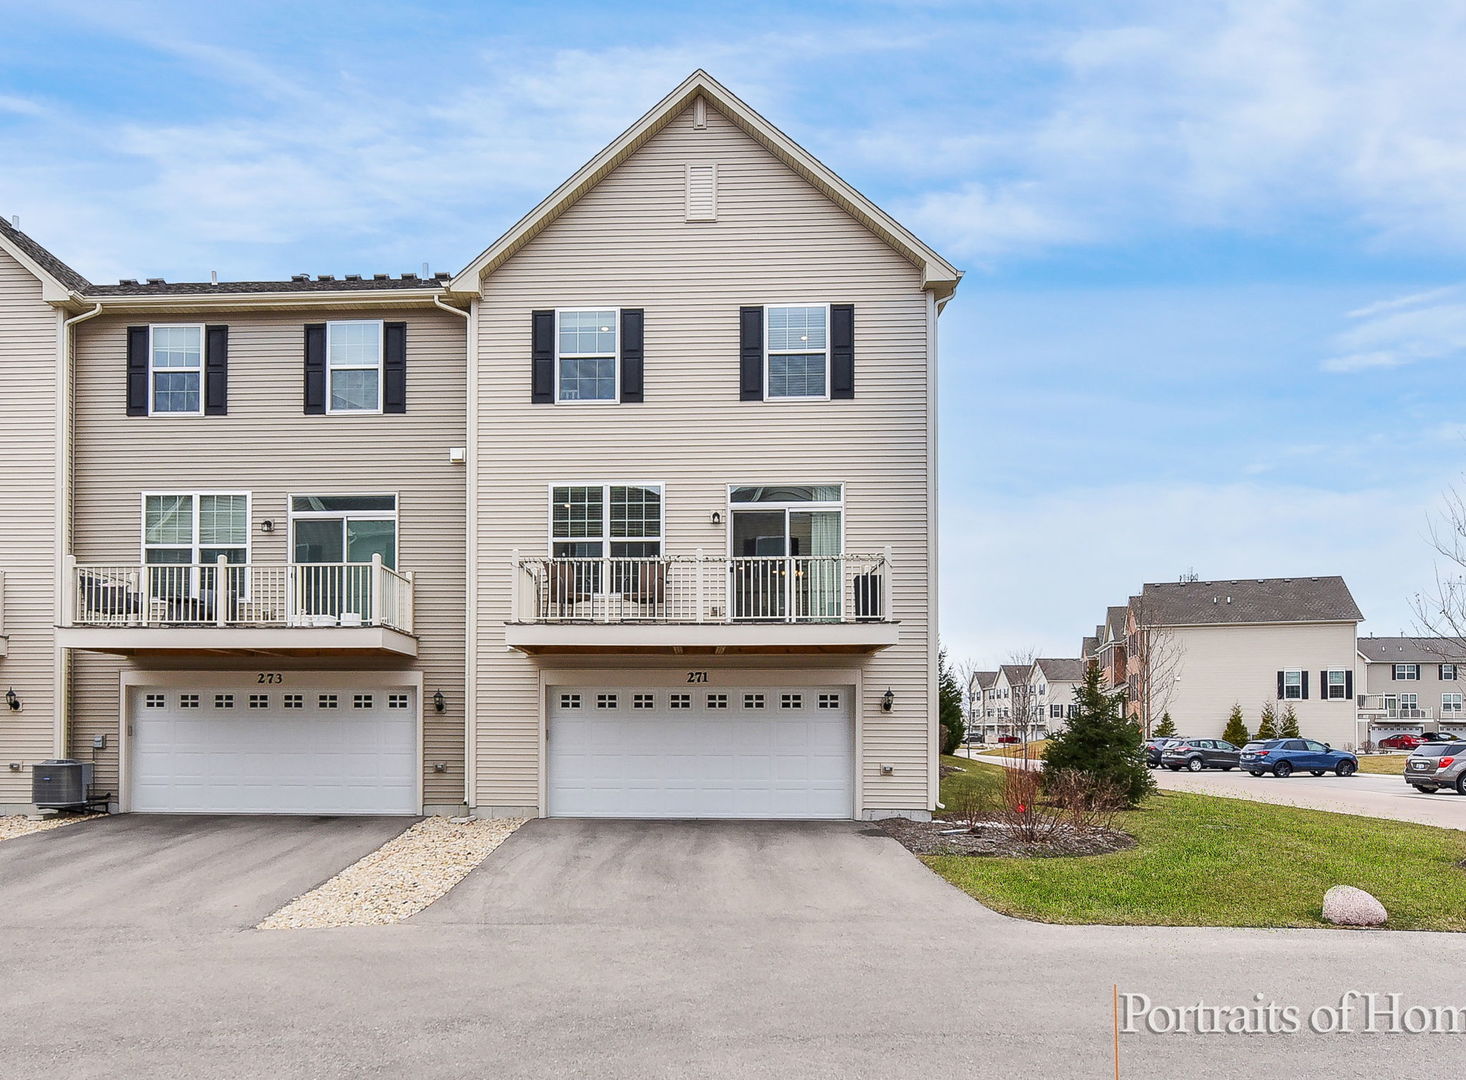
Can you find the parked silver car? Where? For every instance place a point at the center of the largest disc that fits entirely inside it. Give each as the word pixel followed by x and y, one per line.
pixel 1435 765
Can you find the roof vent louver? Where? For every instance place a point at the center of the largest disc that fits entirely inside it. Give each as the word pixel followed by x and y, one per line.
pixel 127 281
pixel 300 277
pixel 409 276
pixel 156 281
pixel 442 275
pixel 380 277
pixel 325 277
pixel 353 277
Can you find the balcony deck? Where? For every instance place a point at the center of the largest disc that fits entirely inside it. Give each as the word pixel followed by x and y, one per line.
pixel 283 609
pixel 703 604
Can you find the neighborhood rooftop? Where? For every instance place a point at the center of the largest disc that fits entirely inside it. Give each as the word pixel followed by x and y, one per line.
pixel 1248 600
pixel 1061 670
pixel 1410 650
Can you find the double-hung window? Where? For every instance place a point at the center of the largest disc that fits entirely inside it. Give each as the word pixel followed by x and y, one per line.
pixel 1335 685
pixel 354 367
pixel 1293 685
pixel 1406 672
pixel 184 536
pixel 620 522
pixel 1451 703
pixel 176 370
pixel 796 350
pixel 1449 672
pixel 586 350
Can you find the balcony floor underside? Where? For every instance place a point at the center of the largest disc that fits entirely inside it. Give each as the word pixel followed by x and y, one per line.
pixel 694 639
pixel 365 641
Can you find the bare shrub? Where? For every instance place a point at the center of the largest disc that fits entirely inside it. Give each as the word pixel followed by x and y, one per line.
pixel 1020 806
pixel 1087 804
pixel 969 808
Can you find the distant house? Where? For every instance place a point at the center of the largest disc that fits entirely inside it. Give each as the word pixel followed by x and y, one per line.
pixel 1411 684
pixel 1288 641
pixel 1052 683
pixel 981 708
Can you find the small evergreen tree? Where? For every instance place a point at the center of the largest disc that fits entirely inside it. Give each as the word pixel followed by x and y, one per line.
pixel 1166 729
pixel 949 706
pixel 1236 729
pixel 1289 728
pixel 1267 728
pixel 1101 742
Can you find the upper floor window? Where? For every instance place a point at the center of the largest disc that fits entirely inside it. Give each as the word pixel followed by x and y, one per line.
pixel 176 370
pixel 1450 703
pixel 354 367
pixel 1405 672
pixel 1293 685
pixel 1448 672
pixel 1336 685
pixel 586 351
pixel 796 342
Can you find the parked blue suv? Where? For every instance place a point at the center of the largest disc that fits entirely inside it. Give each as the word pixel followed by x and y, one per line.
pixel 1283 757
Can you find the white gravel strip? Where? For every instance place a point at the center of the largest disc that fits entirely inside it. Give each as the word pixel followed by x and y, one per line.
pixel 15 825
pixel 400 878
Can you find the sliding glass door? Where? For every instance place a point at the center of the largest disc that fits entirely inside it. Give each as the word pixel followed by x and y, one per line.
pixel 786 546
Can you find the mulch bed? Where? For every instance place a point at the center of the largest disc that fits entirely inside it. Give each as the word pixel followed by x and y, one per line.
pixel 926 838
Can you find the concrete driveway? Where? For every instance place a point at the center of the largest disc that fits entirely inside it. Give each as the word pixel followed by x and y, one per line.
pixel 167 874
pixel 691 949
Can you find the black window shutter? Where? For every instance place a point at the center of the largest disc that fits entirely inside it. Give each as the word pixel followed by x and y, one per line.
pixel 216 371
pixel 633 365
pixel 542 357
pixel 1323 686
pixel 842 351
pixel 137 371
pixel 1304 676
pixel 1280 686
pixel 1349 684
pixel 315 368
pixel 751 354
pixel 394 367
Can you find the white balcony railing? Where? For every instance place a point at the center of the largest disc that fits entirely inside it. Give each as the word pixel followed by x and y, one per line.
pixel 1387 709
pixel 224 594
pixel 701 588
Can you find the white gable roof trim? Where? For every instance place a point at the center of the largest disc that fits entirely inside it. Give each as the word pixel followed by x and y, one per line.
pixel 938 275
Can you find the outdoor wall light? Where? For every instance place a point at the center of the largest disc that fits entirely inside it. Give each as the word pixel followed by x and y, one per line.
pixel 717 517
pixel 267 526
pixel 888 699
pixel 440 703
pixel 12 700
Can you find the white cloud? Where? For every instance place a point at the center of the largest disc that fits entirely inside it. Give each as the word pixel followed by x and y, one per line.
pixel 1393 333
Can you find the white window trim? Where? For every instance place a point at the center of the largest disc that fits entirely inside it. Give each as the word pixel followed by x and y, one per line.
pixel 1329 684
pixel 1454 675
pixel 788 352
pixel 1455 705
pixel 379 367
pixel 1395 675
pixel 143 544
pixel 785 507
pixel 605 537
pixel 152 372
pixel 1298 686
pixel 615 359
pixel 293 515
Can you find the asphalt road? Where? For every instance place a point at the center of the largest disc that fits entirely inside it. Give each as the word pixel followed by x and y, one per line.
pixel 669 949
pixel 1366 794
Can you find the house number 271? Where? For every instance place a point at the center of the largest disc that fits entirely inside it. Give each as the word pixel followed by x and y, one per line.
pixel 697 676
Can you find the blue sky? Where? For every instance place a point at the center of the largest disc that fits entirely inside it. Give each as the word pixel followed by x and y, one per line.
pixel 1215 304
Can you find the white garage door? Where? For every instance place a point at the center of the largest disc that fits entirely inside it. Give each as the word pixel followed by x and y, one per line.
pixel 225 749
pixel 734 752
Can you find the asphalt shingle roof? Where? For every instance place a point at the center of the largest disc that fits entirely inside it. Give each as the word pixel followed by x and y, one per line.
pixel 1089 646
pixel 53 266
pixel 1248 600
pixel 1061 670
pixel 1017 673
pixel 1410 650
pixel 985 679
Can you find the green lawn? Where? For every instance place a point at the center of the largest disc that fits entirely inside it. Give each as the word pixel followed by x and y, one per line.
pixel 1392 764
pixel 1035 749
pixel 1207 861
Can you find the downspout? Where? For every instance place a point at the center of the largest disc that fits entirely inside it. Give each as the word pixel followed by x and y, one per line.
pixel 470 607
pixel 61 658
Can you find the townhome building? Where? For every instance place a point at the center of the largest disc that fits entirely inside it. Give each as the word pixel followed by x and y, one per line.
pixel 982 709
pixel 1286 641
pixel 1411 685
pixel 1052 684
pixel 633 516
pixel 1111 648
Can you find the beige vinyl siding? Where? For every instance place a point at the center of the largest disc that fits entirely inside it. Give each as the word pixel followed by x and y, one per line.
pixel 28 328
pixel 1378 679
pixel 776 240
pixel 267 446
pixel 1226 665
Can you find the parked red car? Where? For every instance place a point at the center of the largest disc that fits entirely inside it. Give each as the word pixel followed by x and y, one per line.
pixel 1007 739
pixel 1402 741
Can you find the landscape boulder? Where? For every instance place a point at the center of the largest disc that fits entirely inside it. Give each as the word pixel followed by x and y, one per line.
pixel 1344 905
